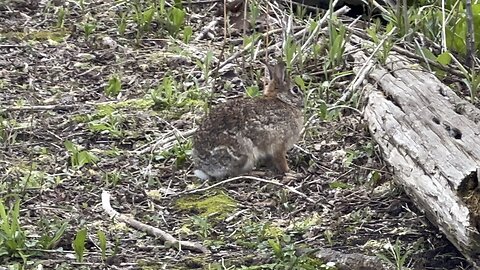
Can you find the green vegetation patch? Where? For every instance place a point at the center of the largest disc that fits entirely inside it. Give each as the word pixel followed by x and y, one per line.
pixel 57 36
pixel 219 204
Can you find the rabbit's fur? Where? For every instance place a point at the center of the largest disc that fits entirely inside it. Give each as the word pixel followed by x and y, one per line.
pixel 238 134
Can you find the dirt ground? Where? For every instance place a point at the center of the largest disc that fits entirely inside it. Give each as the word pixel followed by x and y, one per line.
pixel 52 90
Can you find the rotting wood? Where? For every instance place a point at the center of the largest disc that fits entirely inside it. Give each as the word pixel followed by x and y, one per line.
pixel 430 137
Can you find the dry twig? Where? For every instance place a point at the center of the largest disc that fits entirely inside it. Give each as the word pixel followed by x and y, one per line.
pixel 256 179
pixel 150 230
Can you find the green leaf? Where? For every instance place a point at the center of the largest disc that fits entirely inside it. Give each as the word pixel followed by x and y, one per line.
pixel 444 58
pixel 339 185
pixel 70 146
pixel 102 243
pixel 428 54
pixel 114 86
pixel 187 34
pixel 78 244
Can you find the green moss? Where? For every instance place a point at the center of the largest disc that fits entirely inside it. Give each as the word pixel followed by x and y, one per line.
pixel 220 204
pixel 136 103
pixel 57 36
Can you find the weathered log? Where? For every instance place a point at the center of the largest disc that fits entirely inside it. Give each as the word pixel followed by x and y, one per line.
pixel 430 137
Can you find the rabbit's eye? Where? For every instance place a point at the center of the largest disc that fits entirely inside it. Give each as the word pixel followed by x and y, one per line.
pixel 295 90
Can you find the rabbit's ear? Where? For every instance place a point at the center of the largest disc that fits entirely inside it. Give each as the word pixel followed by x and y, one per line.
pixel 279 72
pixel 277 76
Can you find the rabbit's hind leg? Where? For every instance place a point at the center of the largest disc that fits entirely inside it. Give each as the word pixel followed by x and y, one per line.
pixel 279 159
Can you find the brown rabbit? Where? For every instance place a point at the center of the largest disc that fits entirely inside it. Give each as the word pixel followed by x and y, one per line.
pixel 236 135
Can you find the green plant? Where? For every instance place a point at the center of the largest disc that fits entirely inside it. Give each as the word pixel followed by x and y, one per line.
pixel 395 254
pixel 61 13
pixel 88 29
pixel 286 256
pixel 205 65
pixel 386 42
pixel 12 237
pixel 202 224
pixel 179 152
pixel 78 157
pixel 114 85
pixel 113 177
pixel 110 124
pixel 176 18
pixel 253 91
pixel 122 23
pixel 254 12
pixel 187 34
pixel 78 244
pixel 328 236
pixel 169 96
pixel 49 239
pixel 291 49
pixel 336 44
pixel 142 17
pixel 102 243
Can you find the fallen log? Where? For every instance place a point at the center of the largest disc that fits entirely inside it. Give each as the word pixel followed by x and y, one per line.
pixel 430 137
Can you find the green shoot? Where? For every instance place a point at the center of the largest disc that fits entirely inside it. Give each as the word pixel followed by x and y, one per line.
pixel 48 241
pixel 114 86
pixel 61 13
pixel 78 244
pixel 78 157
pixel 102 243
pixel 202 224
pixel 88 29
pixel 12 236
pixel 395 252
pixel 122 23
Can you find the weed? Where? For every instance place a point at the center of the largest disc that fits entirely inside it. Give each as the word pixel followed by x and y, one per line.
pixel 202 224
pixel 205 65
pixel 168 96
pixel 112 178
pixel 253 91
pixel 122 23
pixel 143 18
pixel 179 152
pixel 176 18
pixel 78 157
pixel 328 234
pixel 48 240
pixel 61 13
pixel 88 29
pixel 78 244
pixel 286 256
pixel 395 253
pixel 110 124
pixel 102 243
pixel 12 237
pixel 187 35
pixel 114 86
pixel 336 45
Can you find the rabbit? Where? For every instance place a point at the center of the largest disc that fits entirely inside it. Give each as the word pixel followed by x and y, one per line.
pixel 238 134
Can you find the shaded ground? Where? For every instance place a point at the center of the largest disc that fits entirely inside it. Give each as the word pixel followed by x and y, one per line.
pixel 358 208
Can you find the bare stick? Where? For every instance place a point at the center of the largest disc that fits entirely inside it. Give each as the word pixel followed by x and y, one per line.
pixel 210 26
pixel 151 148
pixel 150 230
pixel 252 178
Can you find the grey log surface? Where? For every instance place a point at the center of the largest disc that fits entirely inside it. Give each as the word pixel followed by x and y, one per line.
pixel 430 137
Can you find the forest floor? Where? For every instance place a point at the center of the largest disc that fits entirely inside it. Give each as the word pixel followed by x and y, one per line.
pixel 80 114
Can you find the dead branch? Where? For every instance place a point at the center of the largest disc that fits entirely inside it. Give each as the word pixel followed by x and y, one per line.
pixel 167 238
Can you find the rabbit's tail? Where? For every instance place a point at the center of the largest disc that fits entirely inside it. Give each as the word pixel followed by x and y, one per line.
pixel 201 174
